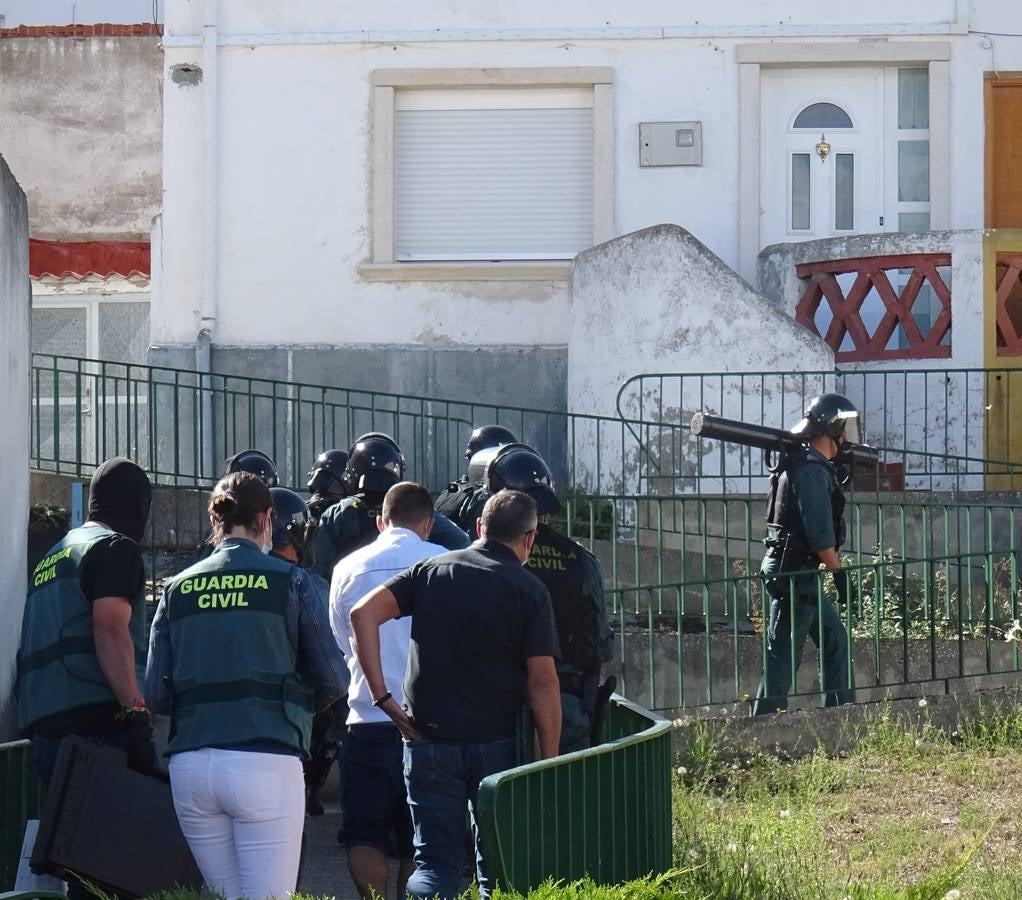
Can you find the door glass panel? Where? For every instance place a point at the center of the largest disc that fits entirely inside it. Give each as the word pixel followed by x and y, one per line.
pixel 914 171
pixel 915 221
pixel 844 192
pixel 823 115
pixel 124 331
pixel 59 330
pixel 800 167
pixel 913 98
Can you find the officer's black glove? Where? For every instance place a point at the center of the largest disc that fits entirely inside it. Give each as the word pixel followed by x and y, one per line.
pixel 846 594
pixel 137 737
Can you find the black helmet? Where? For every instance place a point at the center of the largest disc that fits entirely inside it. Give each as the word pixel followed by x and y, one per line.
pixel 488 436
pixel 520 468
pixel 375 464
pixel 256 462
pixel 830 414
pixel 327 472
pixel 290 518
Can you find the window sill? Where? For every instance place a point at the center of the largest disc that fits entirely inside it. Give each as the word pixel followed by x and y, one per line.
pixel 466 271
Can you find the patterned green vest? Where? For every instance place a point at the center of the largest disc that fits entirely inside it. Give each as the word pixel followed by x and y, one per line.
pixel 58 670
pixel 233 664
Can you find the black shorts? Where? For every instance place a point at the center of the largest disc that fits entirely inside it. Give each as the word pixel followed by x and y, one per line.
pixel 375 802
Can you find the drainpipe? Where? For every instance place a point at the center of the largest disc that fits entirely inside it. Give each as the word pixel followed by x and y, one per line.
pixel 210 186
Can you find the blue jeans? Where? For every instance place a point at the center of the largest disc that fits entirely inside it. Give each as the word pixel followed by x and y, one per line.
pixel 442 781
pixel 375 802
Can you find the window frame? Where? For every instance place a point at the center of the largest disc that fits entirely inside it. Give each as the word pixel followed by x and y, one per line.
pixel 382 265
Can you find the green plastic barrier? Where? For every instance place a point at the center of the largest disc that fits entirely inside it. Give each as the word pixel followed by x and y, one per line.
pixel 21 798
pixel 603 812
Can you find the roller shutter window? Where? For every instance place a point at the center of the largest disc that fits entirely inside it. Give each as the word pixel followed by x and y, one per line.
pixel 493 183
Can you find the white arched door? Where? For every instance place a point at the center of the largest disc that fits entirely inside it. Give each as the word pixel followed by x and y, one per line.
pixel 822 153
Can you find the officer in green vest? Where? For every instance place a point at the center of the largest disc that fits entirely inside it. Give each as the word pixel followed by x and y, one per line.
pixel 83 646
pixel 239 649
pixel 573 577
pixel 805 528
pixel 375 465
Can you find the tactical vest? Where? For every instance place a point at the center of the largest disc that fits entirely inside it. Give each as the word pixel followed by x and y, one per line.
pixel 233 674
pixel 783 519
pixel 319 504
pixel 354 526
pixel 58 670
pixel 451 501
pixel 557 561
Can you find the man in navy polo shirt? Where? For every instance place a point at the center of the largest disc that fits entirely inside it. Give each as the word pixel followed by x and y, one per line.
pixel 483 643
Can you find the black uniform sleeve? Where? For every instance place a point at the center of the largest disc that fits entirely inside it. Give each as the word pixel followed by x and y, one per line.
pixel 112 568
pixel 540 629
pixel 402 586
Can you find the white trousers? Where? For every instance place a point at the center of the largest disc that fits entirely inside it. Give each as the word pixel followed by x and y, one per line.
pixel 242 815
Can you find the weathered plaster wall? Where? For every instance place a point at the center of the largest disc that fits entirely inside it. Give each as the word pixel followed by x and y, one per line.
pixel 81 121
pixel 15 303
pixel 660 301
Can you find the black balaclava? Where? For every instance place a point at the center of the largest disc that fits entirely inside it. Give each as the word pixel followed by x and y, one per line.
pixel 120 496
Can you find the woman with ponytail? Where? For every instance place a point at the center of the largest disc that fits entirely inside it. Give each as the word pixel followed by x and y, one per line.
pixel 238 650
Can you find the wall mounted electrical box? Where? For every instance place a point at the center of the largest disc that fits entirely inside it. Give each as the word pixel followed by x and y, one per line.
pixel 671 144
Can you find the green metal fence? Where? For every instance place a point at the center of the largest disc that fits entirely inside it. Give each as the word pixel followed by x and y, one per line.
pixel 603 812
pixel 938 429
pixel 21 798
pixel 653 540
pixel 940 589
pixel 180 425
pixel 923 624
pixel 659 549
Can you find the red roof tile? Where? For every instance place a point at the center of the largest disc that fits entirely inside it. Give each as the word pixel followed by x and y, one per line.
pixel 79 259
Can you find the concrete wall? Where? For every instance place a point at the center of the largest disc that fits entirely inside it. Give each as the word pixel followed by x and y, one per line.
pixel 15 303
pixel 81 122
pixel 692 671
pixel 659 300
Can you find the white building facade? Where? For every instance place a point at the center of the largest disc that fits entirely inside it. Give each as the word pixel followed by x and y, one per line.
pixel 390 196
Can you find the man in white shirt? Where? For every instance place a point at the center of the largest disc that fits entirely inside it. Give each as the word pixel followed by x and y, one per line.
pixel 377 823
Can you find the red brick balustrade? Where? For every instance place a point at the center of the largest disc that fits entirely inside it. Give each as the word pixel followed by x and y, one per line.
pixel 871 273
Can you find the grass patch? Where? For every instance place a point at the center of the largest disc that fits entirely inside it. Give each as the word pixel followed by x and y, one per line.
pixel 911 813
